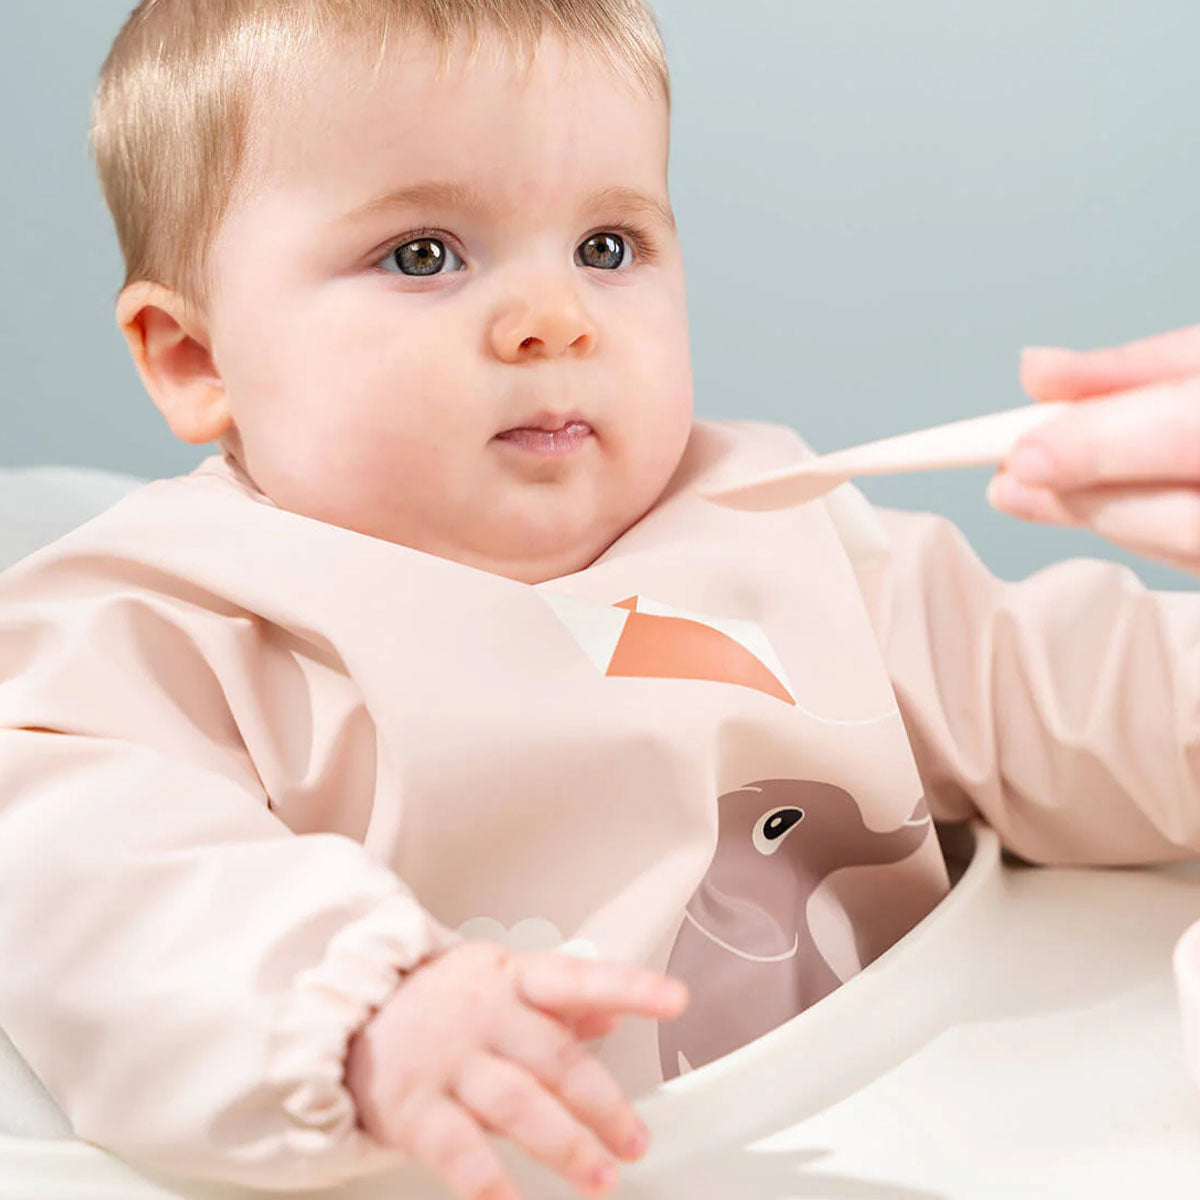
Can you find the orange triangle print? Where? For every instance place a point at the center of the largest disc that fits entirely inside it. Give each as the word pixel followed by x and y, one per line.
pixel 655 647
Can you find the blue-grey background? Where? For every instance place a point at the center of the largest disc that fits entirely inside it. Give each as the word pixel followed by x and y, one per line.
pixel 880 203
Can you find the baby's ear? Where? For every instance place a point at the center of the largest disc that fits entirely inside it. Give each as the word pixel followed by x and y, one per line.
pixel 171 350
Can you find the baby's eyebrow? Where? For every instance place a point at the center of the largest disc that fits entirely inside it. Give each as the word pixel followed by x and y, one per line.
pixel 462 196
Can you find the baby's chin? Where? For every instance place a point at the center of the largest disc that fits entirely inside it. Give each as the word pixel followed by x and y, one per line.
pixel 526 530
pixel 513 530
pixel 522 550
pixel 548 540
pixel 534 555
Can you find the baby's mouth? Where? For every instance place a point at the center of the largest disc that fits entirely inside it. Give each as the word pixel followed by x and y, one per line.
pixel 548 435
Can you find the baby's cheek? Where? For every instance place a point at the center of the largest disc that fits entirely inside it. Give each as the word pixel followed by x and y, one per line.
pixel 674 403
pixel 673 372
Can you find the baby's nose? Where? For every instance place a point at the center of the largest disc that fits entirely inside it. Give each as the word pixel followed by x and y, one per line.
pixel 544 330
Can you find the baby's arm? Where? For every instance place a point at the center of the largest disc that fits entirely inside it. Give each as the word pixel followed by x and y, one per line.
pixel 181 970
pixel 1065 708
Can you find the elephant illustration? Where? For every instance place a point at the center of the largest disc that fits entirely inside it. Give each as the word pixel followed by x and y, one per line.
pixel 745 949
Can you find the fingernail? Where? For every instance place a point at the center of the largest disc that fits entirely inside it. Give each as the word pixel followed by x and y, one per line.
pixel 1006 494
pixel 1032 464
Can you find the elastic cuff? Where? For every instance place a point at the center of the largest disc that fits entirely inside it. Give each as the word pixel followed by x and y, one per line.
pixel 362 967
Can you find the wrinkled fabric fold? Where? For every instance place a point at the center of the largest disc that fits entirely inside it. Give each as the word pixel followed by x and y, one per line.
pixel 1063 708
pixel 206 989
pixel 364 965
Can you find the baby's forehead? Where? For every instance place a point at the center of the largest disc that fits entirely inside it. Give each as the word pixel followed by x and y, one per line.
pixel 343 113
pixel 445 78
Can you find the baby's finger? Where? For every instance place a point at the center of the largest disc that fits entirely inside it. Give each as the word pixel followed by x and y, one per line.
pixel 1149 436
pixel 511 1102
pixel 570 987
pixel 449 1143
pixel 1049 373
pixel 1160 523
pixel 557 1059
pixel 594 1025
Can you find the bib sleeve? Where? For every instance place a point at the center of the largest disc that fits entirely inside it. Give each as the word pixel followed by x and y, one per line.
pixel 181 970
pixel 1064 708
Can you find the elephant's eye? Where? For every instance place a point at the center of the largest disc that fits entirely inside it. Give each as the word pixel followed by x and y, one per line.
pixel 774 826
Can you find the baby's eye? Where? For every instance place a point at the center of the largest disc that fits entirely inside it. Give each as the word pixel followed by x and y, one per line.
pixel 604 251
pixel 421 257
pixel 425 255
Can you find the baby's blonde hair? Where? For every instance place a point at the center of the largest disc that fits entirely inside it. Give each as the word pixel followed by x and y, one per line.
pixel 172 109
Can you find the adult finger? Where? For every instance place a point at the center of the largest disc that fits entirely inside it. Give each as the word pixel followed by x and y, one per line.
pixel 1146 436
pixel 511 1102
pixel 570 987
pixel 1159 523
pixel 445 1139
pixel 558 1060
pixel 1051 373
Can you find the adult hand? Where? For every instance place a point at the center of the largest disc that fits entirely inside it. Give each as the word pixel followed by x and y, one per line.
pixel 1126 464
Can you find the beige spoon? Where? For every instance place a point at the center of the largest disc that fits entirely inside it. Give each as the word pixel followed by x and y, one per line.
pixel 977 441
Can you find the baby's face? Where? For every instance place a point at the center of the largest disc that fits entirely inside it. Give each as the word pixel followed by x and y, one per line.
pixel 388 365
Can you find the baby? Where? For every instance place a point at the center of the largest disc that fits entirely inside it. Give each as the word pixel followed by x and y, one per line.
pixel 352 782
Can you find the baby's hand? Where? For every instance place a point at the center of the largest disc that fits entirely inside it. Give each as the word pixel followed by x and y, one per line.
pixel 480 1040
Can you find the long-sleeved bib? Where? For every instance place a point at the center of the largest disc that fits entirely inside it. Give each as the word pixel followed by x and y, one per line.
pixel 253 767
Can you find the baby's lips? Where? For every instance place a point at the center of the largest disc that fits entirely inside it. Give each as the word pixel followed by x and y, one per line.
pixel 1186 960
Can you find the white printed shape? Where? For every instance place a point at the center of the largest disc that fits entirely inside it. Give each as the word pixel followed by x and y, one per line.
pixel 596 627
pixel 526 936
pixel 580 948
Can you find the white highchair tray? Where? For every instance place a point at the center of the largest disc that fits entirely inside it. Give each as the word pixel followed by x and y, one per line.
pixel 1022 1040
